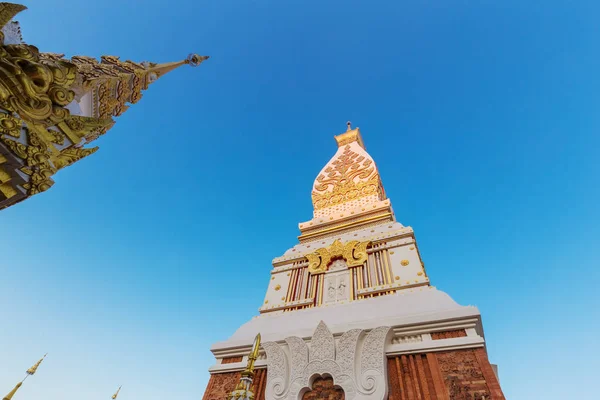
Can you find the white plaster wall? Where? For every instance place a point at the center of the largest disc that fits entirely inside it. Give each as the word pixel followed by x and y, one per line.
pixel 408 274
pixel 273 298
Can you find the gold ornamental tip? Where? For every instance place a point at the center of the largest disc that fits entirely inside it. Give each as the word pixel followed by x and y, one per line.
pixel 114 396
pixel 157 70
pixel 33 369
pixel 351 135
pixel 12 392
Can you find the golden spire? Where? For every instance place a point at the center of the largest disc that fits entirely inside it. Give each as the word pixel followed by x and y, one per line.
pixel 253 356
pixel 114 396
pixel 349 125
pixel 243 390
pixel 30 371
pixel 12 392
pixel 161 69
pixel 33 369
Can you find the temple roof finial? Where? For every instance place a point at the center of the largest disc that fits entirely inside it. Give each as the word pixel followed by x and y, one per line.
pixel 349 125
pixel 30 371
pixel 33 369
pixel 114 396
pixel 161 69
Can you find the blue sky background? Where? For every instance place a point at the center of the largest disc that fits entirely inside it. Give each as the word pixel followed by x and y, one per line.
pixel 483 119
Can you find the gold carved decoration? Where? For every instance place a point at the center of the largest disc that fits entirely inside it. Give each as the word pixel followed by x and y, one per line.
pixel 354 252
pixel 404 263
pixel 10 125
pixel 277 287
pixel 37 92
pixel 350 176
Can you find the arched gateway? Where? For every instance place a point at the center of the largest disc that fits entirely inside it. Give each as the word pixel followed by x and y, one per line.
pixel 349 311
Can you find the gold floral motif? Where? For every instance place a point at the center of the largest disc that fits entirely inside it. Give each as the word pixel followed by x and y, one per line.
pixel 348 177
pixel 56 137
pixel 10 125
pixel 404 263
pixel 354 252
pixel 277 287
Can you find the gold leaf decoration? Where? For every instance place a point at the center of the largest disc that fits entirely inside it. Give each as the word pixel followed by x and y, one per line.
pixel 349 177
pixel 354 252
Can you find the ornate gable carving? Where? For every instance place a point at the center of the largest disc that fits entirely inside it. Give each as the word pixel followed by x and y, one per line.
pixel 357 366
pixel 354 252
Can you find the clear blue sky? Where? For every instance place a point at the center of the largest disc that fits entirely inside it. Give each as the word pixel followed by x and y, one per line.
pixel 483 117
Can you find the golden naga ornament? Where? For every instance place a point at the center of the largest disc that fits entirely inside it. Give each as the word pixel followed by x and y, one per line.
pixel 354 252
pixel 51 107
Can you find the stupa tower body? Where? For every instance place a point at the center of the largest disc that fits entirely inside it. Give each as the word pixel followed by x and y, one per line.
pixel 350 313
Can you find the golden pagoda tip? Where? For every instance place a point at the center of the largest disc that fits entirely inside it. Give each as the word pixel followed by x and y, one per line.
pixel 349 125
pixel 33 369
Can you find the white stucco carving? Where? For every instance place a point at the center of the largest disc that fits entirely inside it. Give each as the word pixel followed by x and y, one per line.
pixel 357 365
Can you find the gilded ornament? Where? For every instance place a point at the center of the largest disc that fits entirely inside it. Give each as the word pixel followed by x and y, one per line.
pixel 10 125
pixel 404 263
pixel 277 287
pixel 71 155
pixel 354 252
pixel 349 176
pixel 420 273
pixel 412 248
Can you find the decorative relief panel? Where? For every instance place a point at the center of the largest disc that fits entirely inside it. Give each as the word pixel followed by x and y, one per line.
pixel 357 366
pixel 354 252
pixel 337 283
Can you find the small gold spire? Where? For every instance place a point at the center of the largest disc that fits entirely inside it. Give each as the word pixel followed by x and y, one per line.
pixel 243 390
pixel 349 125
pixel 114 396
pixel 253 356
pixel 12 392
pixel 161 69
pixel 33 369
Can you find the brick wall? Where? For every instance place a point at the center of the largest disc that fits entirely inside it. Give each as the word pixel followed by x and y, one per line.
pixel 448 375
pixel 220 385
pixel 448 334
pixel 323 388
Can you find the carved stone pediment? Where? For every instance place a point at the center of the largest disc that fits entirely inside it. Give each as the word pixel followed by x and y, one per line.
pixel 357 364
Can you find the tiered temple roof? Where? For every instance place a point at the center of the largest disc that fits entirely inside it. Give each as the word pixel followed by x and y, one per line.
pixel 52 107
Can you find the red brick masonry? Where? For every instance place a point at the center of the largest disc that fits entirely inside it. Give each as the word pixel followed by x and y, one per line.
pixel 449 334
pixel 447 375
pixel 323 388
